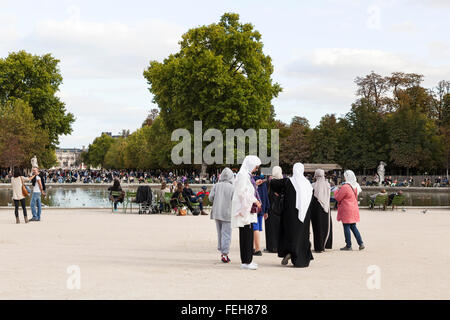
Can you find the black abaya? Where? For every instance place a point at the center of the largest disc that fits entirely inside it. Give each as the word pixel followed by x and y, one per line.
pixel 321 225
pixel 294 234
pixel 272 227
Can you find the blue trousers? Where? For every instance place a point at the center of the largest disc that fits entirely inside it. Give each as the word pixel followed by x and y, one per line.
pixel 36 204
pixel 348 237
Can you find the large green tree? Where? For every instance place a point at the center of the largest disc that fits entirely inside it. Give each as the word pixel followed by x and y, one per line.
pixel 295 146
pixel 21 137
pixel 97 150
pixel 36 80
pixel 220 76
pixel 325 140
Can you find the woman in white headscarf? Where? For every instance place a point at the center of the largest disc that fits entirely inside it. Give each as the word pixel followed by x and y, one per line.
pixel 348 210
pixel 273 218
pixel 320 213
pixel 295 220
pixel 244 209
pixel 221 196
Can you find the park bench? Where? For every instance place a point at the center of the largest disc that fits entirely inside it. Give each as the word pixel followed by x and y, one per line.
pixel 128 199
pixel 398 201
pixel 380 201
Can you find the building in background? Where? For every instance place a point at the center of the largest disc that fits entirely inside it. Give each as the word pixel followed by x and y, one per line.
pixel 69 158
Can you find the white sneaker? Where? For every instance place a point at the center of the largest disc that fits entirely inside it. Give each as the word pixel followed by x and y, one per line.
pixel 253 265
pixel 250 266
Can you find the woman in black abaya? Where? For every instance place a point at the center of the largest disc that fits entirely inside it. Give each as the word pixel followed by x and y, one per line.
pixel 294 243
pixel 273 220
pixel 320 213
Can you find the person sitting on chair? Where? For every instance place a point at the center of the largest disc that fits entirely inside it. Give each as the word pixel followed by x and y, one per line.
pixel 178 198
pixel 116 187
pixel 374 196
pixel 189 194
pixel 392 196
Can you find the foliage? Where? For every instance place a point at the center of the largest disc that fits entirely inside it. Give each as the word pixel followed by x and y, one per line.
pixel 21 137
pixel 36 80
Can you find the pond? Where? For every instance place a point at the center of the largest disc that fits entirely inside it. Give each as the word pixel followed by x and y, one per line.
pixel 97 197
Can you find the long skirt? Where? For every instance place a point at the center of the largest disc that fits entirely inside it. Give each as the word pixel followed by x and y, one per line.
pixel 272 232
pixel 322 227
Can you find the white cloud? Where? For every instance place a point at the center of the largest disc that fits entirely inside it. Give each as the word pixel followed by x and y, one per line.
pixel 105 49
pixel 406 26
pixel 321 81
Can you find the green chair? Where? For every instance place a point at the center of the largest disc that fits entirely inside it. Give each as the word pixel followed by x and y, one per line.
pixel 130 197
pixel 114 194
pixel 380 201
pixel 398 201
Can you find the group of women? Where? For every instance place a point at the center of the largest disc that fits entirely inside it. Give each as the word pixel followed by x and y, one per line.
pixel 236 204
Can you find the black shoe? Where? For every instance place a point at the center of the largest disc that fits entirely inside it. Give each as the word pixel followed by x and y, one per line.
pixel 361 247
pixel 257 253
pixel 346 248
pixel 33 219
pixel 286 259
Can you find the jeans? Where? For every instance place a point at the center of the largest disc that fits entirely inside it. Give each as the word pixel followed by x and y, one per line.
pixel 348 237
pixel 36 202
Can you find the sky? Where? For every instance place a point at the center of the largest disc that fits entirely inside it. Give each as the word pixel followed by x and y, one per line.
pixel 318 48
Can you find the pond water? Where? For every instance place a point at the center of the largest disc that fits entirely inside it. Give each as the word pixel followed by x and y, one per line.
pixel 97 197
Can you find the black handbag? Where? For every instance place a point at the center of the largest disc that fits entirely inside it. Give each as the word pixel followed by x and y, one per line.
pixel 277 205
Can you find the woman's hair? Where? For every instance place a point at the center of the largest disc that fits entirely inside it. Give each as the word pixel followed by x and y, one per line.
pixel 17 172
pixel 180 186
pixel 116 183
pixel 163 185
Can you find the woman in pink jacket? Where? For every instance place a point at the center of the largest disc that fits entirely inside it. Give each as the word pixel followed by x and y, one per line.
pixel 348 210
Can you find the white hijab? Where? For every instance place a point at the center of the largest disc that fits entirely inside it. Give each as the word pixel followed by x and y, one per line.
pixel 244 194
pixel 303 189
pixel 277 172
pixel 350 179
pixel 322 190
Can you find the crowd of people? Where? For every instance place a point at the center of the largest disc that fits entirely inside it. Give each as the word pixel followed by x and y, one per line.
pixel 124 176
pixel 392 182
pixel 288 205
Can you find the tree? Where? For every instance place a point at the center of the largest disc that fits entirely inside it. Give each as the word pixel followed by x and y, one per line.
pixel 220 76
pixel 114 157
pixel 414 142
pixel 97 150
pixel 152 115
pixel 36 80
pixel 364 140
pixel 325 140
pixel 21 136
pixel 295 147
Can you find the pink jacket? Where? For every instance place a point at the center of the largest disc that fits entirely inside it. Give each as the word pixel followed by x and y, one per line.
pixel 348 210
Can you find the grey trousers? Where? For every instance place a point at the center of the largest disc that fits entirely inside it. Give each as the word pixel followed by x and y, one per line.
pixel 223 236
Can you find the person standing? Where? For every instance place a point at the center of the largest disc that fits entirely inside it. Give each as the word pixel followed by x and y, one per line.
pixel 348 210
pixel 37 192
pixel 17 181
pixel 320 214
pixel 263 194
pixel 244 209
pixel 294 243
pixel 221 196
pixel 272 221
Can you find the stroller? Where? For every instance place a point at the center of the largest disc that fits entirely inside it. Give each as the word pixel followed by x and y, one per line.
pixel 144 199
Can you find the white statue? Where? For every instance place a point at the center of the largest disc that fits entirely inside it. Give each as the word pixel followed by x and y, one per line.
pixel 34 163
pixel 380 171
